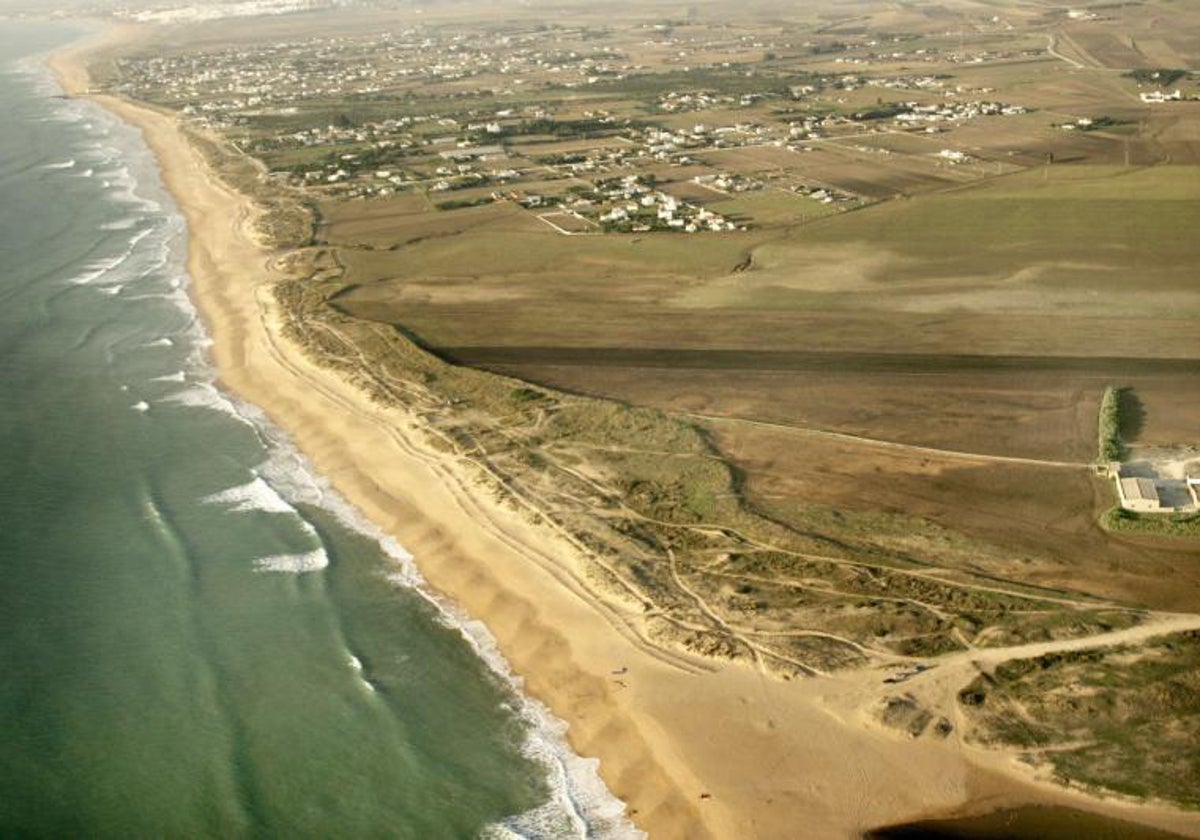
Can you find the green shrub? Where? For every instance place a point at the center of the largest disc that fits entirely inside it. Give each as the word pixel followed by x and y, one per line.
pixel 1110 446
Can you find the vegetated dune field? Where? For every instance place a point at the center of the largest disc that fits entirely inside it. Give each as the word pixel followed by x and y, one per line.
pixel 985 319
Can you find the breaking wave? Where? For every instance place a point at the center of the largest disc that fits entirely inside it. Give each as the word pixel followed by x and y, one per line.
pixel 257 495
pixel 296 564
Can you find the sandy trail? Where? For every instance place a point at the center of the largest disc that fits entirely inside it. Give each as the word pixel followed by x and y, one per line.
pixel 955 454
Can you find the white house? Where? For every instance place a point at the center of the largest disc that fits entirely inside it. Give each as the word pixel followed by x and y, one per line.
pixel 1139 494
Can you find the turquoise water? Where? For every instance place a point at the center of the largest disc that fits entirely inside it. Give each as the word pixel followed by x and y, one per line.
pixel 196 637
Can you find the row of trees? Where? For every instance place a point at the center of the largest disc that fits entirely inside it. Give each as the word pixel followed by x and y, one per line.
pixel 1110 445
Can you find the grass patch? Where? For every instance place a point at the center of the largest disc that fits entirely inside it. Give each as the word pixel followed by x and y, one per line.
pixel 1156 524
pixel 773 208
pixel 1121 719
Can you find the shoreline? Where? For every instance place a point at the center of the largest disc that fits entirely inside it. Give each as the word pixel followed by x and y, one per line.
pixel 726 753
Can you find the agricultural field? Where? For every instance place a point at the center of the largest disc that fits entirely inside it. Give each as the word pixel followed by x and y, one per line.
pixel 1018 301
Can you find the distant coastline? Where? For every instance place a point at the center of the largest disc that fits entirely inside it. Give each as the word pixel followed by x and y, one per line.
pixel 723 754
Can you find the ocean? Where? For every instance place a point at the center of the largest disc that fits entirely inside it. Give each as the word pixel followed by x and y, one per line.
pixel 198 638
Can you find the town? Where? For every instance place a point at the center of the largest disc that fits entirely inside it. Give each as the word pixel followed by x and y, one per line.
pixel 552 117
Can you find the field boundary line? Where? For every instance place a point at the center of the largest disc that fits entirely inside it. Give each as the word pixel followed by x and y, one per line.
pixel 891 444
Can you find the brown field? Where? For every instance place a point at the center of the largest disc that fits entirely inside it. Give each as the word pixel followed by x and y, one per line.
pixel 1109 49
pixel 1042 519
pixel 569 222
pixel 689 191
pixel 772 207
pixel 907 143
pixel 983 312
pixel 983 320
pixel 672 173
pixel 835 165
pixel 408 219
pixel 1041 413
pixel 533 147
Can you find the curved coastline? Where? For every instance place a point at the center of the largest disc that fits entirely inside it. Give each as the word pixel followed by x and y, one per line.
pixel 723 753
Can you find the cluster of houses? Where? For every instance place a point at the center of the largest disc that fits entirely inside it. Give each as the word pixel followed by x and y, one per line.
pixel 728 182
pixel 674 102
pixel 1160 96
pixel 462 160
pixel 914 113
pixel 390 133
pixel 275 98
pixel 666 143
pixel 291 72
pixel 925 82
pixel 928 55
pixel 269 76
pixel 953 156
pixel 191 13
pixel 629 204
pixel 825 195
pixel 816 127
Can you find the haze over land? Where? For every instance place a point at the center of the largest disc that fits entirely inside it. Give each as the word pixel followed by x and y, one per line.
pixel 780 335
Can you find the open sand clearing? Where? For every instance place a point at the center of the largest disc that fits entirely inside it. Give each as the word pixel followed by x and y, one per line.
pixel 694 749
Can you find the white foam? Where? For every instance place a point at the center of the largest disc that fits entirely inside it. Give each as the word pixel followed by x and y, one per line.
pixel 580 804
pixel 179 297
pixel 179 376
pixel 66 164
pixel 258 495
pixel 159 342
pixel 205 395
pixel 255 495
pixel 114 289
pixel 142 406
pixel 296 564
pixel 120 224
pixel 96 269
pixel 64 118
pixel 357 667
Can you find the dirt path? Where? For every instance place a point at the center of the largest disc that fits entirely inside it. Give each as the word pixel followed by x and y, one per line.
pixel 955 454
pixel 937 687
pixel 1052 49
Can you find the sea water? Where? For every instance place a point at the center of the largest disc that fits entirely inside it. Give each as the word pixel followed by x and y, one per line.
pixel 197 637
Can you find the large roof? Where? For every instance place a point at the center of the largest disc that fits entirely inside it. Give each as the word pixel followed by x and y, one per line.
pixel 1139 489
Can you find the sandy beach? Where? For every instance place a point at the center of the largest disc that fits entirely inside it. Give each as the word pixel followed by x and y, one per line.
pixel 694 751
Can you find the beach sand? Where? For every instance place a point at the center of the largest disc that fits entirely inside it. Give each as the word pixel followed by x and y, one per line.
pixel 720 752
